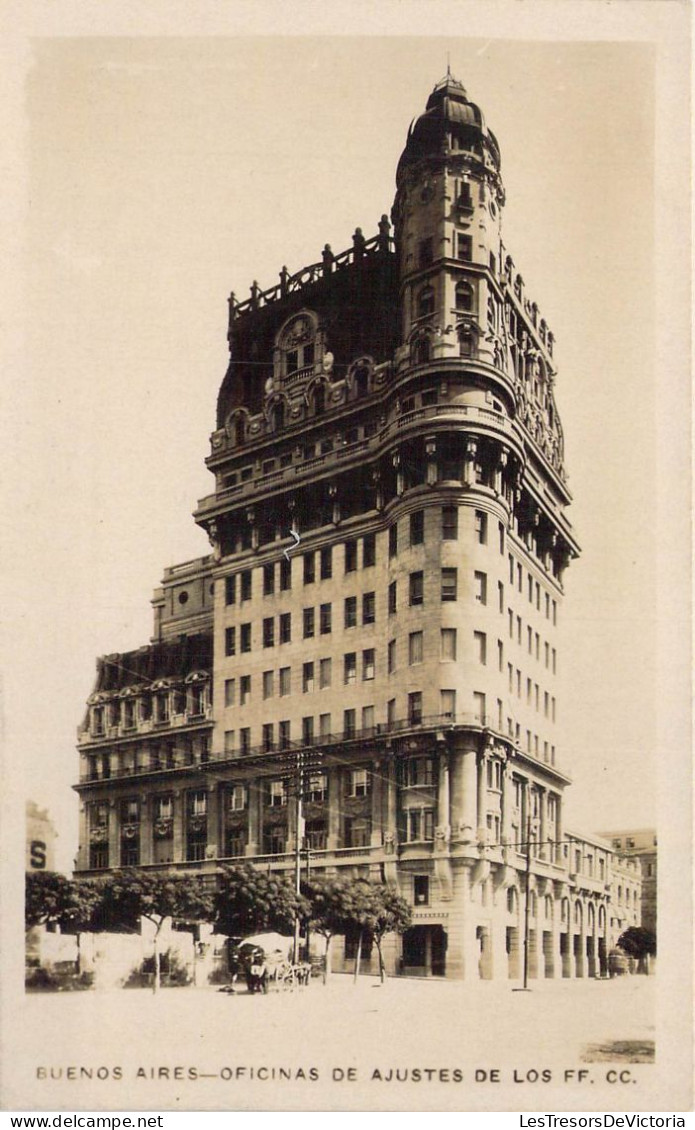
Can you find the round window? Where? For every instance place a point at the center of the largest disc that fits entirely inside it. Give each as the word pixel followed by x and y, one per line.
pixel 183 597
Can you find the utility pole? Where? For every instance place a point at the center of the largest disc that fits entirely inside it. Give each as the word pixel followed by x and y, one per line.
pixel 306 762
pixel 527 901
pixel 527 908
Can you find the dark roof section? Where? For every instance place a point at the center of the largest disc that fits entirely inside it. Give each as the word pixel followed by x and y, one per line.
pixel 168 659
pixel 449 116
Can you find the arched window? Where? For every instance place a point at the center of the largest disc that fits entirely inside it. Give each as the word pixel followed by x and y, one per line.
pixel 422 350
pixel 277 416
pixel 464 296
pixel 512 900
pixel 239 431
pixel 466 341
pixel 319 399
pixel 361 380
pixel 425 302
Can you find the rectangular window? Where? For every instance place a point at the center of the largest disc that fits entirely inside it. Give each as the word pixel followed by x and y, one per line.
pixel 537 642
pixel 530 588
pixel 480 587
pixel 518 630
pixel 351 555
pixel 285 627
pixel 421 890
pixel 554 612
pixel 425 252
pixel 269 631
pixel 393 540
pixel 368 663
pixel 307 730
pixel 359 782
pixel 351 612
pixel 245 740
pixel 393 598
pixel 269 579
pixel 230 641
pixel 480 642
pixel 367 719
pixel 520 578
pixel 479 706
pixel 268 737
pixel 417 588
pixel 415 708
pixel 546 654
pixel 307 678
pixel 511 569
pixel 464 247
pixel 350 667
pixel 244 689
pixel 547 606
pixel 229 692
pixel 417 527
pixel 285 681
pixel 500 528
pixel 368 551
pixel 391 657
pixel 277 794
pixel 325 619
pixel 391 711
pixel 326 563
pixel 368 608
pixel 309 568
pixel 267 684
pixel 230 589
pixel 449 584
pixel 308 623
pixel 317 792
pixel 325 673
pixel 284 734
pixel 448 643
pixel 529 640
pixel 324 725
pixel 349 723
pixel 415 648
pixel 245 638
pixel 450 523
pixel 246 584
pixel 448 704
pixel 554 654
pixel 420 824
pixel 285 574
pixel 229 741
pixel 357 833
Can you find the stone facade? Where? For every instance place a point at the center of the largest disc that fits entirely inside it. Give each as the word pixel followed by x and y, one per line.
pixel 640 847
pixel 383 602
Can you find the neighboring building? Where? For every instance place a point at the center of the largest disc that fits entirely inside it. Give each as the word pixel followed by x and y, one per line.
pixel 640 845
pixel 41 837
pixel 390 538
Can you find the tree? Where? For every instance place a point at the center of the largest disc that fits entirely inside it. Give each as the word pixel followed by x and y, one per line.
pixel 249 901
pixel 332 910
pixel 130 895
pixel 52 899
pixel 386 913
pixel 640 943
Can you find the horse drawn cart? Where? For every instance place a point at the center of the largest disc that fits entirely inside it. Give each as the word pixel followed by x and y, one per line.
pixel 264 960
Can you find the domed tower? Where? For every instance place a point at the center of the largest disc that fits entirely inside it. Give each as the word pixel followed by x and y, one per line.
pixel 446 216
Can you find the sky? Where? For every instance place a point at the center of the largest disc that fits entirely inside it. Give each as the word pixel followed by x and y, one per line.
pixel 163 173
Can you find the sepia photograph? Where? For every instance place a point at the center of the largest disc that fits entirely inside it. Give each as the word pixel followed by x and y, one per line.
pixel 346 673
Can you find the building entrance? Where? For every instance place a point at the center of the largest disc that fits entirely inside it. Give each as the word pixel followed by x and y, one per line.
pixel 424 951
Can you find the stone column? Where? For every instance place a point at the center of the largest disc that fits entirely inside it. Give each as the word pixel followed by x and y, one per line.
pixel 470 453
pixel 146 834
pixel 333 838
pixel 114 835
pixel 179 818
pixel 465 794
pixel 506 802
pixel 255 797
pixel 431 454
pixel 543 832
pixel 82 862
pixel 213 821
pixel 377 804
pixel 481 804
pixel 443 793
pixel 502 461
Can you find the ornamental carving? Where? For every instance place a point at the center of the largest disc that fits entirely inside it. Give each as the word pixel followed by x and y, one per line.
pixel 197 823
pixel 389 841
pixel 99 835
pixel 163 829
pixel 130 831
pixel 442 834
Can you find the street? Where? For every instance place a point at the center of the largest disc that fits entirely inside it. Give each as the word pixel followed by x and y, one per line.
pixel 405 1044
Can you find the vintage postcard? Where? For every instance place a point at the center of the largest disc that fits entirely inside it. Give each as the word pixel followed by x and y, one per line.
pixel 347 653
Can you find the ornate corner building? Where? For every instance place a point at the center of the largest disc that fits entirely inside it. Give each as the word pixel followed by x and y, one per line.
pixel 385 593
